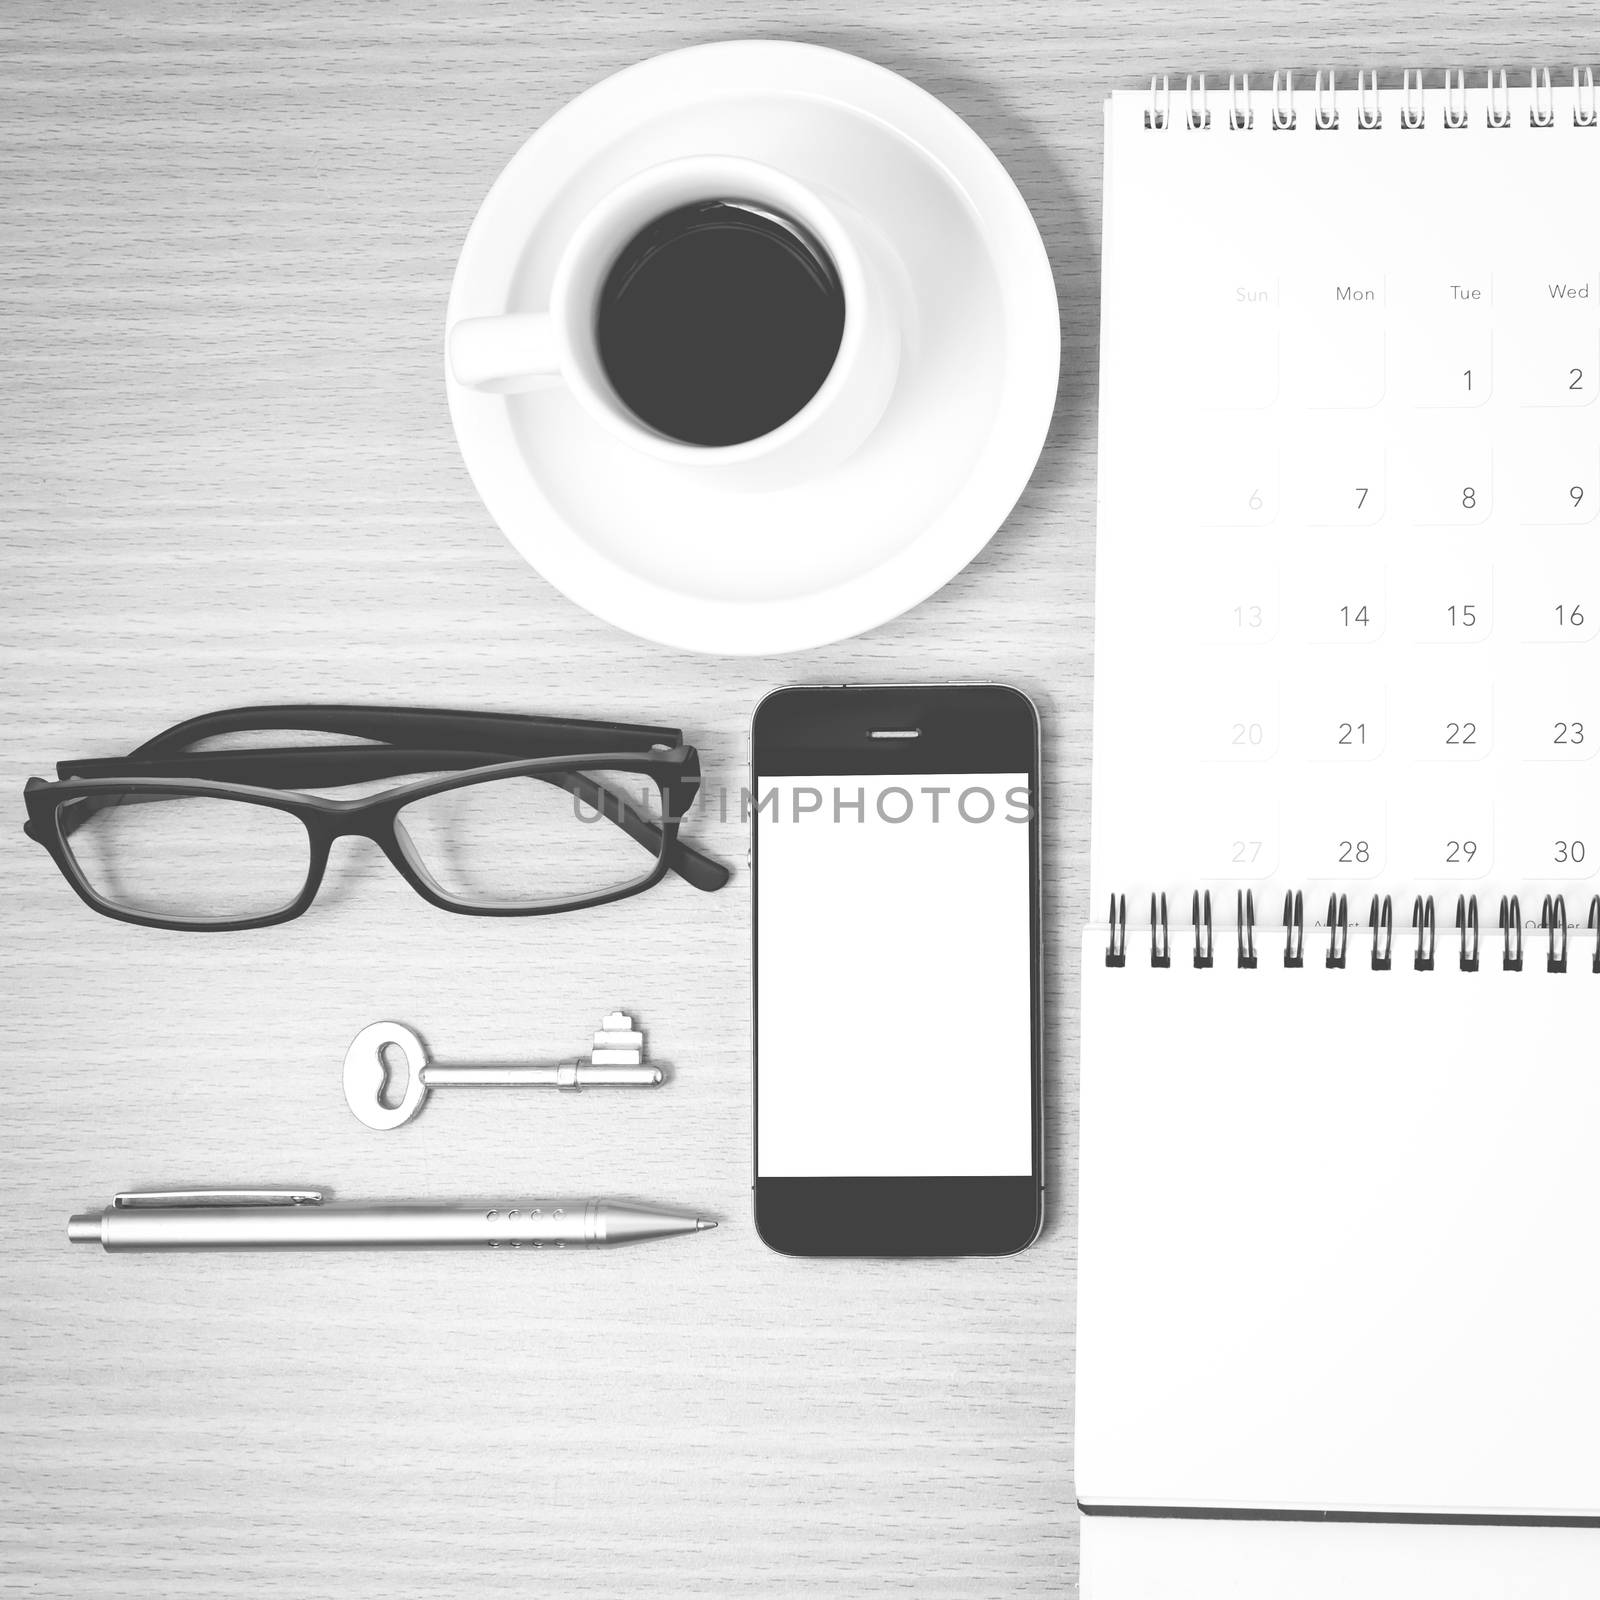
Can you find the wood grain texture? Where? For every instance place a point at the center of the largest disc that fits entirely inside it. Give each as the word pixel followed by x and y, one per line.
pixel 230 478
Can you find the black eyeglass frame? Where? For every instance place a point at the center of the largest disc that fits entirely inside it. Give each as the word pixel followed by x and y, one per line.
pixel 475 744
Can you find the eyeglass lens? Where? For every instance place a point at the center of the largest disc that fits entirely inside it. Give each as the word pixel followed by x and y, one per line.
pixel 189 858
pixel 533 840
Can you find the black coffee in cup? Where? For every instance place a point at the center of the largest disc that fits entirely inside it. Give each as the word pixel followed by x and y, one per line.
pixel 719 321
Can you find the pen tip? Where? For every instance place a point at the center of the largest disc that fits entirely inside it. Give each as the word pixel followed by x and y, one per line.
pixel 702 1223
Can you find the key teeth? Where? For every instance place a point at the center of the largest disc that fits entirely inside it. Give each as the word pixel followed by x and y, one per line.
pixel 618 1043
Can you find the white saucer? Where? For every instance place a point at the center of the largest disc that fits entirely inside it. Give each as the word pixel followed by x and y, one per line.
pixel 652 548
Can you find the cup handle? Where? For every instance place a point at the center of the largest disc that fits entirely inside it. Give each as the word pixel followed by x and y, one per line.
pixel 504 355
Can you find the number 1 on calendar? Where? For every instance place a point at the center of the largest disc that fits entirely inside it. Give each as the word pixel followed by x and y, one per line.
pixel 1448 364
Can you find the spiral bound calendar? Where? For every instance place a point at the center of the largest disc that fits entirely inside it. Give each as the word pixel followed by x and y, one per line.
pixel 1341 1038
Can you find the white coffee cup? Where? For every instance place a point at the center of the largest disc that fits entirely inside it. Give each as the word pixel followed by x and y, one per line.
pixel 526 350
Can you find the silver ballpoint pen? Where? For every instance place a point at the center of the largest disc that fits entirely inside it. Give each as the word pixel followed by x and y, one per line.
pixel 304 1219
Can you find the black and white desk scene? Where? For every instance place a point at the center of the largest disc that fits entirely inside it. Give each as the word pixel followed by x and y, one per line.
pixel 802 801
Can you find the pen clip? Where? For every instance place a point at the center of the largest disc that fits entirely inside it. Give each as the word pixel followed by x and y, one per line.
pixel 178 1199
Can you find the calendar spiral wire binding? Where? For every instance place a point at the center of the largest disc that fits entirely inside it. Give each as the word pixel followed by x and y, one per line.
pixel 1338 931
pixel 1160 112
pixel 1203 953
pixel 1369 114
pixel 1246 919
pixel 1543 114
pixel 1380 923
pixel 1326 116
pixel 1511 923
pixel 1240 120
pixel 1427 933
pixel 1283 116
pixel 1294 929
pixel 1160 955
pixel 1500 100
pixel 1554 918
pixel 1413 109
pixel 1117 949
pixel 1467 927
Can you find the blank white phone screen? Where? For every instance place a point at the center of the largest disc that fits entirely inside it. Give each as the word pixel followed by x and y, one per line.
pixel 894 998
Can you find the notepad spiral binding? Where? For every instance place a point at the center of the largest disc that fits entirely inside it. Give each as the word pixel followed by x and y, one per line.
pixel 1552 921
pixel 1451 100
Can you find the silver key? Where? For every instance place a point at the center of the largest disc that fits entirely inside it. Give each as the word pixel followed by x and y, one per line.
pixel 615 1061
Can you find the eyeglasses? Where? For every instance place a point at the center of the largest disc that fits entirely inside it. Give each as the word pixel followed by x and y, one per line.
pixel 522 816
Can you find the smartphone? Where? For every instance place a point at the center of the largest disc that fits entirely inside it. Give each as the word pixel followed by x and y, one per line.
pixel 897 1010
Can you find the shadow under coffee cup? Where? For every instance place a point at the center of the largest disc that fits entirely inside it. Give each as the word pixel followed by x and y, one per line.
pixel 715 314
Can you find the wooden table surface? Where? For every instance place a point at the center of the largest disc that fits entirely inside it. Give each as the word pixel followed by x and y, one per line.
pixel 230 479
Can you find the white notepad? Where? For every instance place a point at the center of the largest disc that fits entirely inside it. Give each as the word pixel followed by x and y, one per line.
pixel 1194 1559
pixel 1336 1221
pixel 1337 1237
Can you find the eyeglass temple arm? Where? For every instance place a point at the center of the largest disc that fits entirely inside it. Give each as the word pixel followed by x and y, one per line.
pixel 499 731
pixel 690 865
